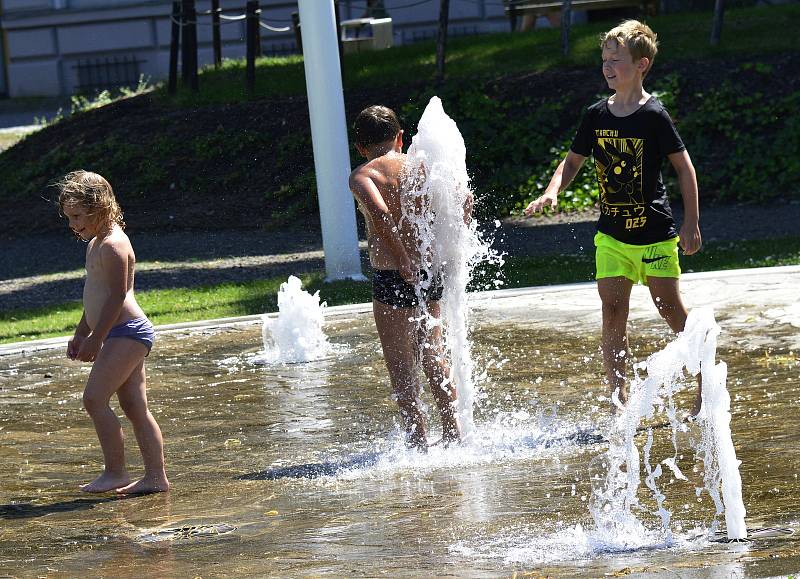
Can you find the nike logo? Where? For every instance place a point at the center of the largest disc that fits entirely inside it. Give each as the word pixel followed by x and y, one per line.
pixel 654 259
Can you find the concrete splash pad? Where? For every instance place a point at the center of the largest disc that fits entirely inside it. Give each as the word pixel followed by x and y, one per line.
pixel 301 466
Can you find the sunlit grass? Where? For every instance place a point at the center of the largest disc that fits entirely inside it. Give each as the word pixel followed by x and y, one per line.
pixel 754 30
pixel 525 271
pixel 167 306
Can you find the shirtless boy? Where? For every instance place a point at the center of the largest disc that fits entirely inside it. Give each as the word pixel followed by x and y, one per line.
pixel 378 187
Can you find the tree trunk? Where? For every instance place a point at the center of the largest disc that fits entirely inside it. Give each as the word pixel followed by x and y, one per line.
pixel 441 39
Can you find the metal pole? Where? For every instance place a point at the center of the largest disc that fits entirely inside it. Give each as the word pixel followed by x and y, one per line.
pixel 252 29
pixel 329 135
pixel 257 31
pixel 512 15
pixel 173 47
pixel 566 22
pixel 186 52
pixel 189 55
pixel 441 39
pixel 716 27
pixel 216 37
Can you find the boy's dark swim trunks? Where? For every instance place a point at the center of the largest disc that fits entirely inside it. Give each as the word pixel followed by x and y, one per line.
pixel 389 288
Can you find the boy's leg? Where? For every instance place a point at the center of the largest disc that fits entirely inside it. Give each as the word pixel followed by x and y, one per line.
pixel 615 294
pixel 437 369
pixel 115 362
pixel 666 295
pixel 396 333
pixel 132 397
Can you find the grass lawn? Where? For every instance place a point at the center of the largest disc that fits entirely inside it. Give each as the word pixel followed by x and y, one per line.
pixel 746 31
pixel 226 300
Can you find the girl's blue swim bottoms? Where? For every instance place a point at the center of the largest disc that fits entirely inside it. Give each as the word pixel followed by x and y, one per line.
pixel 138 329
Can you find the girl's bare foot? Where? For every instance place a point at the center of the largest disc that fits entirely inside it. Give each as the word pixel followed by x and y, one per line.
pixel 145 486
pixel 106 482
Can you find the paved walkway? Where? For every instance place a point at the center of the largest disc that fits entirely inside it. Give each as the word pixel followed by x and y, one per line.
pixel 744 301
pixel 20 112
pixel 35 271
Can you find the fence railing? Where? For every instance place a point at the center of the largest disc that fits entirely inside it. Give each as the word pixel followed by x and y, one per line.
pixel 185 20
pixel 106 73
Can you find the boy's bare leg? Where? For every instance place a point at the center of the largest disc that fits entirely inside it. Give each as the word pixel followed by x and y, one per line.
pixel 666 295
pixel 133 400
pixel 397 333
pixel 114 363
pixel 437 370
pixel 615 294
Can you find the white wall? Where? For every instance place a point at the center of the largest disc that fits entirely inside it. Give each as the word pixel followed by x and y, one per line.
pixel 45 44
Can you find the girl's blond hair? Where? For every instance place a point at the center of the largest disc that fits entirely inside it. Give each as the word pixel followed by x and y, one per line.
pixel 93 192
pixel 637 37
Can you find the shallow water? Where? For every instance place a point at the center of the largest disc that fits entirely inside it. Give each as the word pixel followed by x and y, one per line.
pixel 299 469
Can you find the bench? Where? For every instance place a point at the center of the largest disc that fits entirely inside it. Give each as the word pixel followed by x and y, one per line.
pixel 529 10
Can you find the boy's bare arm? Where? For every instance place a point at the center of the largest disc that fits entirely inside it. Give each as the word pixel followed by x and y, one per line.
pixel 469 202
pixel 370 198
pixel 563 176
pixel 690 238
pixel 114 264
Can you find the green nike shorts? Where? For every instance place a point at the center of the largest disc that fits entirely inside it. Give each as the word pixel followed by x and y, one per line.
pixel 636 262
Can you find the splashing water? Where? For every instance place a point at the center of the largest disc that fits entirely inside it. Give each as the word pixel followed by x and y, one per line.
pixel 296 334
pixel 615 475
pixel 449 239
pixel 716 447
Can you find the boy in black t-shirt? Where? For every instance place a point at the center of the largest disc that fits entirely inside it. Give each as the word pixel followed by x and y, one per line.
pixel 629 134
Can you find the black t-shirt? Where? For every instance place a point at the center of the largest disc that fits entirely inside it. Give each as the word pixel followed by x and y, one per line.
pixel 628 153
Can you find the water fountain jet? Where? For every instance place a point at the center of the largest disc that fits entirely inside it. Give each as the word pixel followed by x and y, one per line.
pixel 615 497
pixel 295 335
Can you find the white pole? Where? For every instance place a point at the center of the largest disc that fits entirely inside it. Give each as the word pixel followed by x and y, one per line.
pixel 329 135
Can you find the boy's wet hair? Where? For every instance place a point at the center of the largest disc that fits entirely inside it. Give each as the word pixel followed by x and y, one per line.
pixel 374 125
pixel 637 37
pixel 91 191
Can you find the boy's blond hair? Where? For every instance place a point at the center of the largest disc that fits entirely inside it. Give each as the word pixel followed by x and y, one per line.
pixel 637 37
pixel 93 192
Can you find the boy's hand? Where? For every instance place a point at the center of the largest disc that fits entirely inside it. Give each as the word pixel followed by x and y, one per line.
pixel 407 273
pixel 690 240
pixel 87 352
pixel 550 199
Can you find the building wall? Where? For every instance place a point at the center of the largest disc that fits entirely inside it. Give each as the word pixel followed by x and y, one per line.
pixel 48 39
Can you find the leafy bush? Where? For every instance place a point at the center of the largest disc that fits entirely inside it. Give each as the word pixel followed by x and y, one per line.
pixel 749 142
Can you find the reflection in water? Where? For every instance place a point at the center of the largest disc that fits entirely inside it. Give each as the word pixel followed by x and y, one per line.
pixel 308 466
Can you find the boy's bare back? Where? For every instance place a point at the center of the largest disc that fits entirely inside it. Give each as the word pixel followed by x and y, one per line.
pixel 386 173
